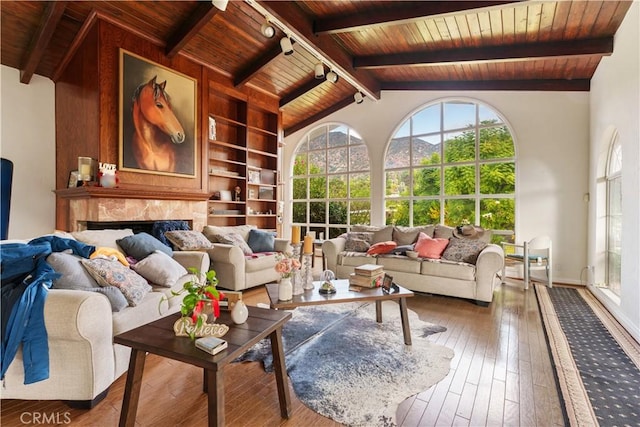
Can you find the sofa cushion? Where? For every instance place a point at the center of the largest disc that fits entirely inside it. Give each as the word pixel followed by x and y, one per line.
pixel 212 231
pixel 409 235
pixel 354 259
pixel 260 263
pixel 187 240
pixel 73 274
pixel 443 231
pixel 261 241
pixel 160 269
pixel 141 245
pixel 235 239
pixel 102 238
pixel 382 248
pixel 429 247
pixel 448 269
pixel 463 250
pixel 111 273
pixel 399 263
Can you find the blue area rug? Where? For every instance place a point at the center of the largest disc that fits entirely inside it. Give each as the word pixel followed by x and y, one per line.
pixel 596 361
pixel 347 367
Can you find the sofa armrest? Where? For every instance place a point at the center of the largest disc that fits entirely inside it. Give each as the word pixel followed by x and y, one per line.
pixel 193 259
pixel 488 264
pixel 229 264
pixel 282 245
pixel 331 249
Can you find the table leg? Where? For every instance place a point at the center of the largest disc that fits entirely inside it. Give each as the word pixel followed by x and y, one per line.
pixel 280 371
pixel 132 388
pixel 406 330
pixel 378 311
pixel 214 387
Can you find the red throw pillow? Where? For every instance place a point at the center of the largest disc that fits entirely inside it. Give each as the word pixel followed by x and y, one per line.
pixel 382 248
pixel 428 247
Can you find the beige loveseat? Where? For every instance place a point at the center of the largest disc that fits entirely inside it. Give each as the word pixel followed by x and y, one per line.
pixel 236 270
pixel 83 361
pixel 435 276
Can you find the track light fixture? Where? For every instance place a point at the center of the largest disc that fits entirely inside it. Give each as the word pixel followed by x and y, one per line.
pixel 286 45
pixel 332 76
pixel 358 97
pixel 319 69
pixel 220 4
pixel 267 30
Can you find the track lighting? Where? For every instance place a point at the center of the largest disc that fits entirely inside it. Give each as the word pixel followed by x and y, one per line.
pixel 286 46
pixel 332 76
pixel 267 30
pixel 358 97
pixel 319 69
pixel 220 4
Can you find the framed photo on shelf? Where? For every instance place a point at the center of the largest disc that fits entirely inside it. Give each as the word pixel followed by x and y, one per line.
pixel 265 193
pixel 225 195
pixel 254 177
pixel 73 179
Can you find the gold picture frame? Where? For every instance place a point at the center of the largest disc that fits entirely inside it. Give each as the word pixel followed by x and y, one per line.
pixel 157 132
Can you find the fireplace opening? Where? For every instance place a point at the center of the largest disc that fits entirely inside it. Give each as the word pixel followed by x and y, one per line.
pixel 136 226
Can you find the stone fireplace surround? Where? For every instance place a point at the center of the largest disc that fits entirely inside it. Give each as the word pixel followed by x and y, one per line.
pixel 99 205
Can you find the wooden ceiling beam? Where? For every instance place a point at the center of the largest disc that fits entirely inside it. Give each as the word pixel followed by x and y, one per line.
pixel 550 85
pixel 301 27
pixel 297 93
pixel 601 46
pixel 52 15
pixel 318 116
pixel 190 27
pixel 253 68
pixel 418 10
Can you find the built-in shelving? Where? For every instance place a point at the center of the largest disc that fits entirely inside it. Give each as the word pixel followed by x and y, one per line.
pixel 243 153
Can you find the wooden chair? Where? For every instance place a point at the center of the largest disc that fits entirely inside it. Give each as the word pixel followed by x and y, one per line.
pixel 534 255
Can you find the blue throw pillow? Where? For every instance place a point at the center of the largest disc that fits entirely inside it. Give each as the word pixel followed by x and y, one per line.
pixel 142 245
pixel 261 241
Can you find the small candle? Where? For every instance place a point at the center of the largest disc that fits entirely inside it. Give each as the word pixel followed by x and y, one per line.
pixel 308 244
pixel 295 234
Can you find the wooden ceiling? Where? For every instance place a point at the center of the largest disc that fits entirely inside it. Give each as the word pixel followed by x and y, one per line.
pixel 372 45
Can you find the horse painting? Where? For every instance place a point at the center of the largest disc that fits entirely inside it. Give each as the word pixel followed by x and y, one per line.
pixel 157 129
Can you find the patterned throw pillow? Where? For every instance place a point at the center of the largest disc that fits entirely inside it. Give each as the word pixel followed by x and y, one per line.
pixel 236 240
pixel 463 250
pixel 428 247
pixel 188 240
pixel 111 273
pixel 359 241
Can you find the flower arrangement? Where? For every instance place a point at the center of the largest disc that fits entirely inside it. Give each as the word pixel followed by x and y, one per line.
pixel 287 265
pixel 200 290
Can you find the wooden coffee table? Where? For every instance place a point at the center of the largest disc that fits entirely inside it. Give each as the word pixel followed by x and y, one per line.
pixel 158 338
pixel 344 295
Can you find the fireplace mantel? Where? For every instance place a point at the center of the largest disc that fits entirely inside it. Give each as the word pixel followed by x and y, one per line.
pixel 78 205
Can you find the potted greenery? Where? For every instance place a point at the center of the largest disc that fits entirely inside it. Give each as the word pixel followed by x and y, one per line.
pixel 199 292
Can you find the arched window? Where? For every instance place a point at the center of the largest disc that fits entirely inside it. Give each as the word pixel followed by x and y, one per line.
pixel 452 163
pixel 331 181
pixel 614 216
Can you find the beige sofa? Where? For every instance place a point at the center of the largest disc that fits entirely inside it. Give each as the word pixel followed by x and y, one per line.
pixel 470 281
pixel 235 270
pixel 83 361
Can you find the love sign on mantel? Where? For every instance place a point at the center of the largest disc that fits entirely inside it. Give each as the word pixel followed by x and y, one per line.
pixel 184 326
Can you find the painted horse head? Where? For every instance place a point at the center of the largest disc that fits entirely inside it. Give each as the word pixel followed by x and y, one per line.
pixel 155 106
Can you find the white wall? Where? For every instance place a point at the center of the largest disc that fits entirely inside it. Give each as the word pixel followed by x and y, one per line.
pixel 615 105
pixel 551 133
pixel 28 139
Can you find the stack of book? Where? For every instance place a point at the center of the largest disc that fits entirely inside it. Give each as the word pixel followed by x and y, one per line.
pixel 366 276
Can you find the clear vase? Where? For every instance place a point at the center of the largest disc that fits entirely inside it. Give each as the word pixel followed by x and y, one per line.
pixel 285 289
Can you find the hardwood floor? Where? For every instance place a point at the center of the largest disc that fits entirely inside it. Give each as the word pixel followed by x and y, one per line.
pixel 501 375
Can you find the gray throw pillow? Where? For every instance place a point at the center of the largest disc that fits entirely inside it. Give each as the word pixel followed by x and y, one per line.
pixel 73 274
pixel 116 297
pixel 463 250
pixel 160 269
pixel 140 245
pixel 261 241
